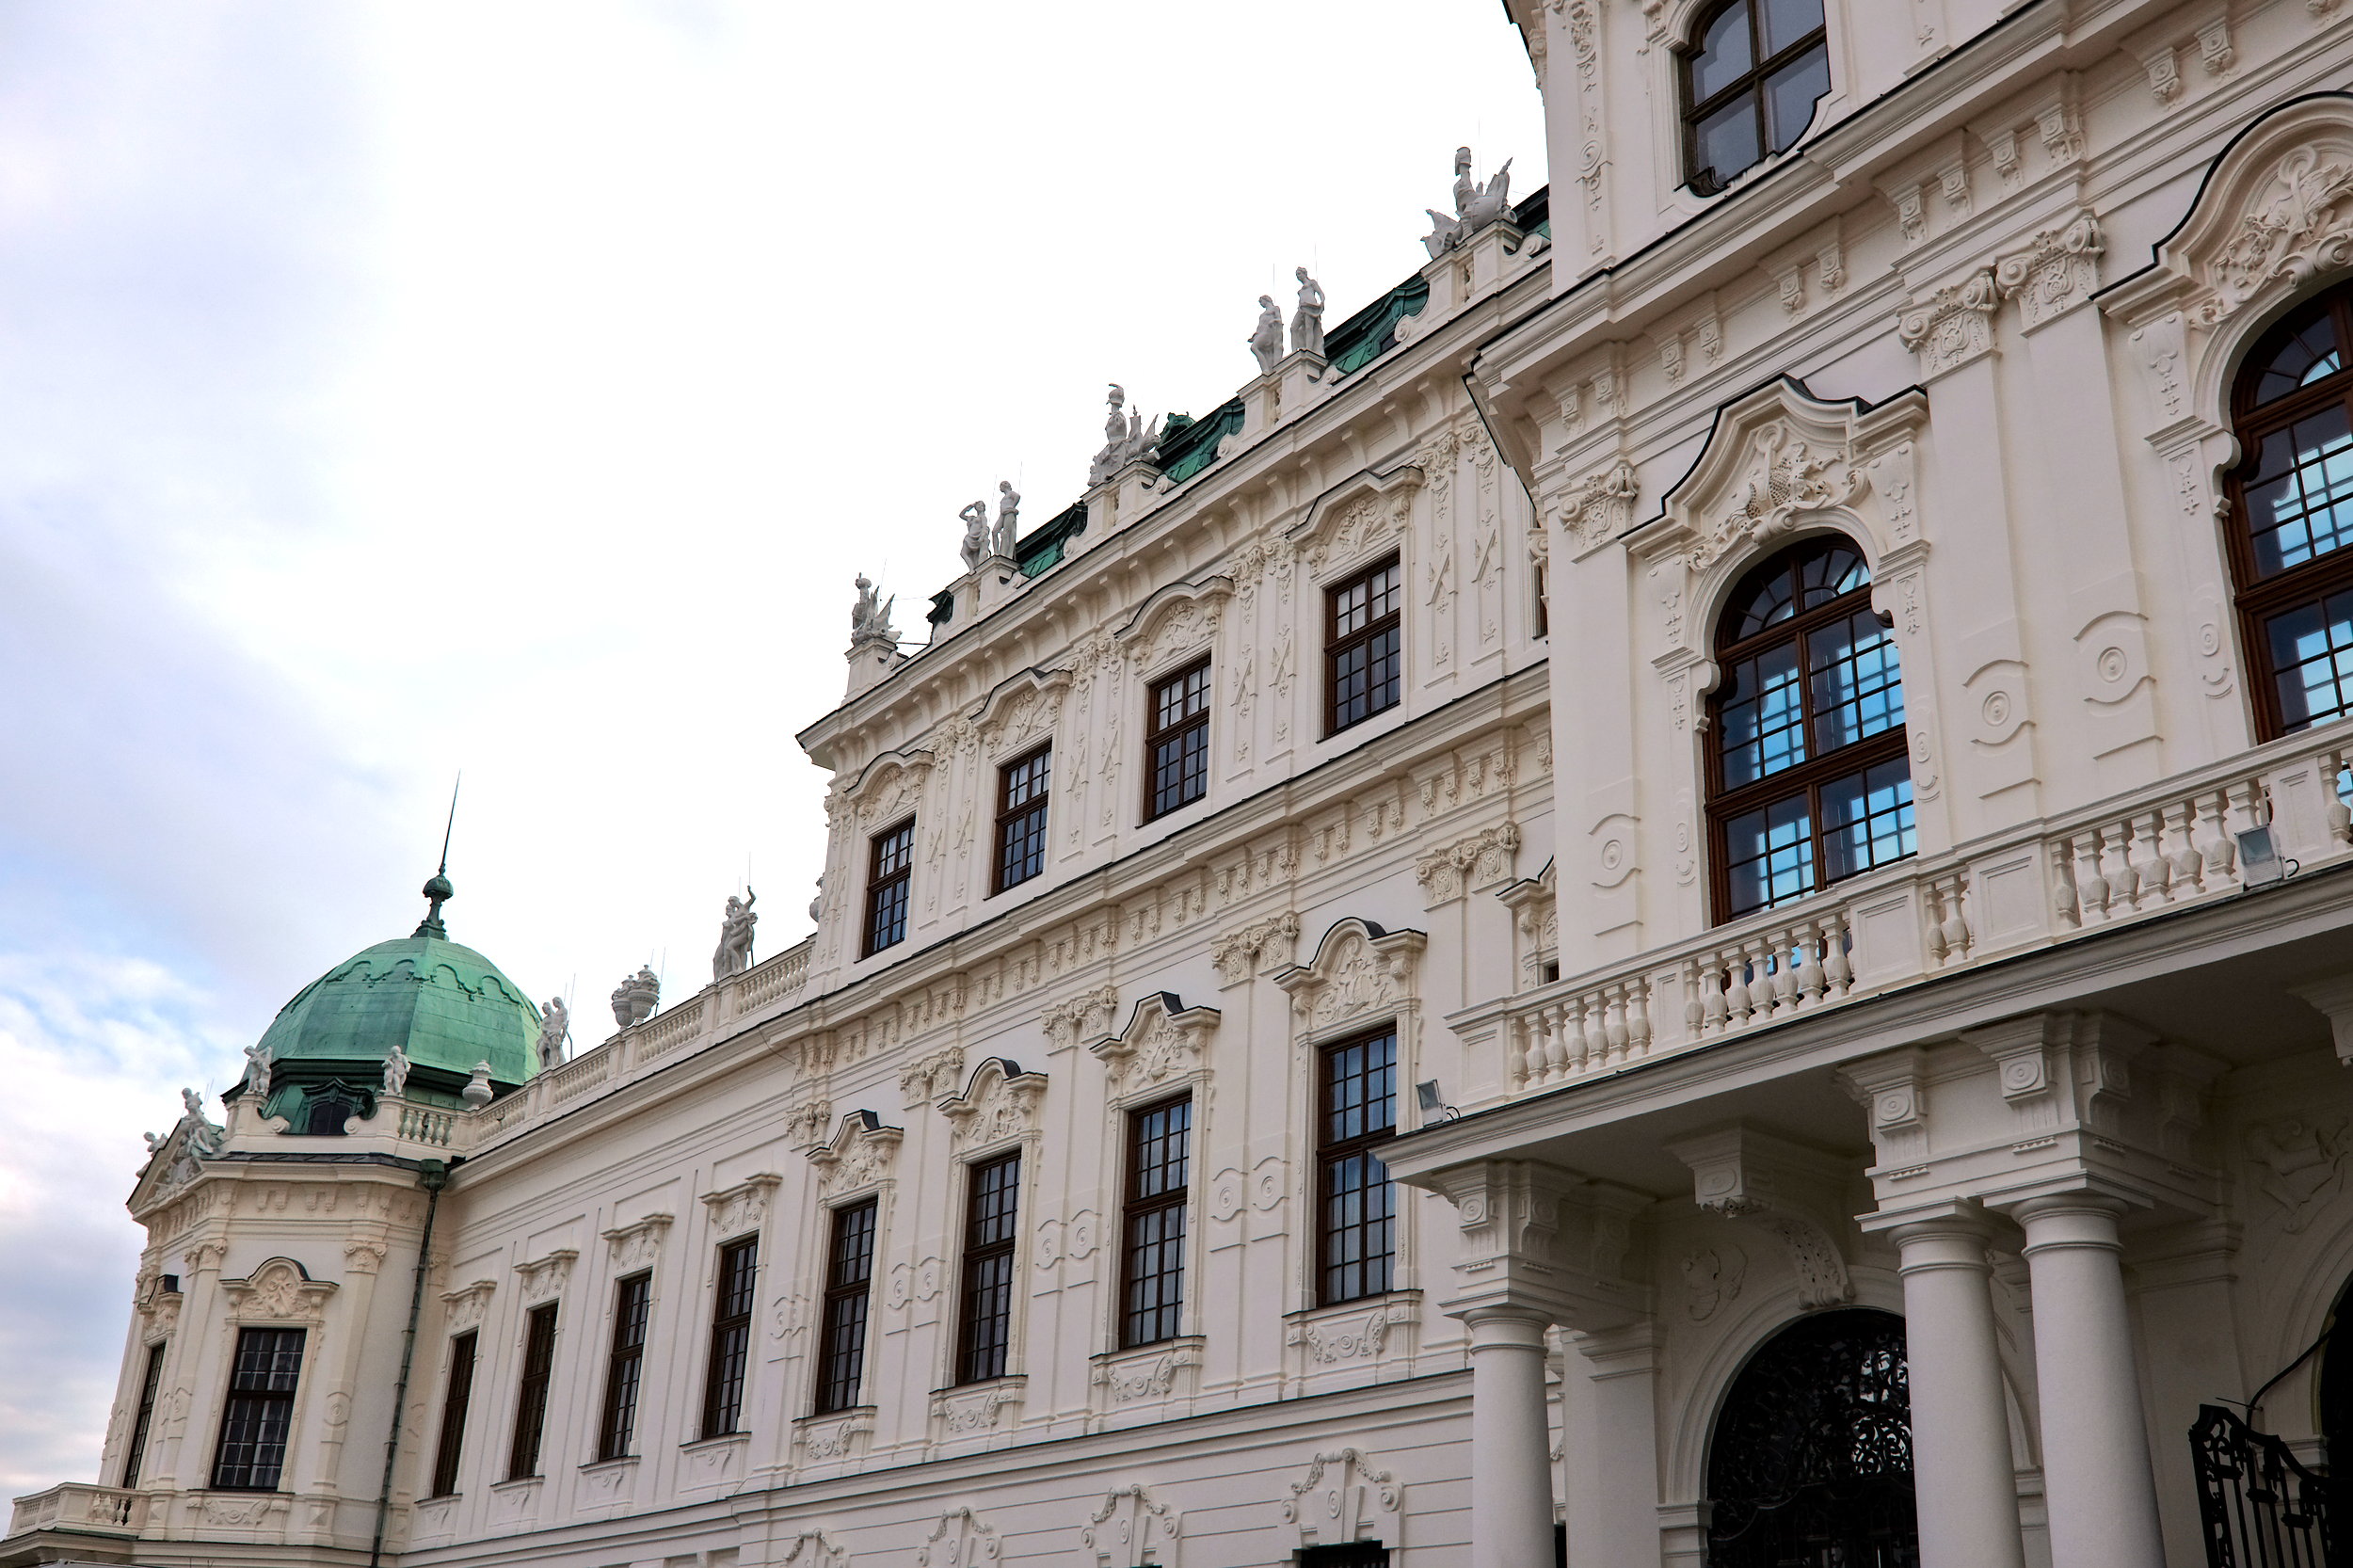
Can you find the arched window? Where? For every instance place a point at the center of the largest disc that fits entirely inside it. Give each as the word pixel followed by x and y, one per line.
pixel 1751 73
pixel 2291 515
pixel 1810 1462
pixel 1806 734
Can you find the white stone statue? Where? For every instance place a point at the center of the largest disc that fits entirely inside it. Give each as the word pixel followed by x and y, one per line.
pixel 205 1137
pixel 477 1092
pixel 818 903
pixel 396 1071
pixel 1307 325
pixel 1475 205
pixel 258 1061
pixel 1125 438
pixel 1266 338
pixel 555 1022
pixel 870 620
pixel 154 1143
pixel 975 547
pixel 735 936
pixel 1008 518
pixel 634 998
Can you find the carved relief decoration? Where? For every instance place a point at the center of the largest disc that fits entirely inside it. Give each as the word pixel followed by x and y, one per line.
pixel 924 1082
pixel 2298 1163
pixel 804 1124
pixel 835 1437
pixel 545 1278
pixel 1359 972
pixel 2055 271
pixel 961 1541
pixel 1953 326
pixel 1780 1190
pixel 811 1550
pixel 1344 1496
pixel 1144 1379
pixel 1131 1528
pixel 999 1104
pixel 745 1206
pixel 1602 506
pixel 1357 1336
pixel 1020 710
pixel 279 1289
pixel 888 787
pixel 969 1412
pixel 1241 953
pixel 635 1246
pixel 1076 1019
pixel 1164 1039
pixel 1175 622
pixel 1468 864
pixel 860 1155
pixel 1358 520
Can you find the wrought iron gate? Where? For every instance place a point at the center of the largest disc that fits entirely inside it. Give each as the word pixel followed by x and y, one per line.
pixel 2261 1507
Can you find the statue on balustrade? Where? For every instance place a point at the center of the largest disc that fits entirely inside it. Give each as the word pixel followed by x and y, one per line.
pixel 1266 339
pixel 555 1022
pixel 1475 205
pixel 634 998
pixel 395 1070
pixel 735 936
pixel 1307 325
pixel 1008 518
pixel 869 617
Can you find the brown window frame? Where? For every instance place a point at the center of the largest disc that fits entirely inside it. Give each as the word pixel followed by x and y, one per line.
pixel 1821 767
pixel 1176 732
pixel 1708 182
pixel 898 883
pixel 2257 600
pixel 1027 816
pixel 727 1366
pixel 1339 644
pixel 258 1414
pixel 625 1365
pixel 465 1351
pixel 523 1450
pixel 981 1359
pixel 151 1383
pixel 1333 1153
pixel 847 1315
pixel 1148 1234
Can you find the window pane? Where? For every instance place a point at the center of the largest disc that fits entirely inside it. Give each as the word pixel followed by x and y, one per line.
pixel 1858 689
pixel 1727 138
pixel 1866 819
pixel 1770 854
pixel 1828 573
pixel 1760 602
pixel 1787 21
pixel 2311 659
pixel 1724 53
pixel 2307 356
pixel 2303 474
pixel 1764 730
pixel 1361 1089
pixel 1791 94
pixel 1160 1160
pixel 1358 1212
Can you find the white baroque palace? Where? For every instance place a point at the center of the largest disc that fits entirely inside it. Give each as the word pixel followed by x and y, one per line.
pixel 1683 895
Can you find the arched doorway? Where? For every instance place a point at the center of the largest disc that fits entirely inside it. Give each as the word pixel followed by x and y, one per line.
pixel 1810 1461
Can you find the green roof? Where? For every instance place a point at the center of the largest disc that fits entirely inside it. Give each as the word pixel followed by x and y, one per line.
pixel 446 1005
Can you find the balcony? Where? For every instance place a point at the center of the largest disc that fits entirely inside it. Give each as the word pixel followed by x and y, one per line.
pixel 2127 859
pixel 108 1510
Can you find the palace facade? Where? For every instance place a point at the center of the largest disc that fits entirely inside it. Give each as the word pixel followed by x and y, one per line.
pixel 1683 896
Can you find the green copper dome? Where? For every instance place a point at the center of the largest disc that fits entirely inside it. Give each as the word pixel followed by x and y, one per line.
pixel 446 1005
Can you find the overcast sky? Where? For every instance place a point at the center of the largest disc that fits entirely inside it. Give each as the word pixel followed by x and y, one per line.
pixel 387 390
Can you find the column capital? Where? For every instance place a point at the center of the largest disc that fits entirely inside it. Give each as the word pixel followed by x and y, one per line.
pixel 2084 1217
pixel 1541 1241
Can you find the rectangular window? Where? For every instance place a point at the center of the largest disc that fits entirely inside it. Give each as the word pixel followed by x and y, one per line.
pixel 624 1367
pixel 1021 790
pixel 985 1332
pixel 1152 1286
pixel 454 1402
pixel 260 1411
pixel 531 1399
pixel 146 1418
pixel 1362 647
pixel 887 879
pixel 849 1290
pixel 1544 600
pixel 1356 1114
pixel 730 1338
pixel 1177 752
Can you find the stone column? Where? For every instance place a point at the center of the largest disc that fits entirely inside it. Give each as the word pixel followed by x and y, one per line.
pixel 1511 1440
pixel 1963 1477
pixel 2101 1495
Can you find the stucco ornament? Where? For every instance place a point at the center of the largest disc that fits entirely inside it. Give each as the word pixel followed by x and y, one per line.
pixel 2055 271
pixel 1475 205
pixel 2298 225
pixel 860 1155
pixel 1359 970
pixel 999 1104
pixel 960 1541
pixel 735 954
pixel 1164 1039
pixel 1132 1526
pixel 279 1291
pixel 869 617
pixel 1602 506
pixel 1786 476
pixel 1266 338
pixel 1953 326
pixel 1344 1496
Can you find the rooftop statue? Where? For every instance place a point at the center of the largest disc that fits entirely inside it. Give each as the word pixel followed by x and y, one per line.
pixel 258 1061
pixel 154 1143
pixel 555 1022
pixel 870 620
pixel 818 903
pixel 1475 205
pixel 1008 518
pixel 1125 438
pixel 1307 325
pixel 395 1070
pixel 1266 339
pixel 634 998
pixel 735 936
pixel 975 547
pixel 205 1137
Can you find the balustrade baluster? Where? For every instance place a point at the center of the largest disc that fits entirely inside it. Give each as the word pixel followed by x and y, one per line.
pixel 2186 880
pixel 1614 1030
pixel 2221 850
pixel 2091 887
pixel 1515 1037
pixel 1812 983
pixel 2064 902
pixel 2150 869
pixel 1737 994
pixel 1638 1017
pixel 1836 967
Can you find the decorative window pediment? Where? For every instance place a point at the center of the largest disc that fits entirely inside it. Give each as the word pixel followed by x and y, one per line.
pixel 466 1307
pixel 279 1291
pixel 635 1245
pixel 745 1206
pixel 1365 516
pixel 1344 1496
pixel 1161 1045
pixel 548 1276
pixel 1535 906
pixel 888 786
pixel 860 1155
pixel 1360 971
pixel 1020 709
pixel 1176 622
pixel 999 1105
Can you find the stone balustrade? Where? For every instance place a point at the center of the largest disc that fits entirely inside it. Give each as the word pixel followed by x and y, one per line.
pixel 2125 859
pixel 76 1507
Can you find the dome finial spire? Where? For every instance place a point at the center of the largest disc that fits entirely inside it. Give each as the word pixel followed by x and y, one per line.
pixel 438 890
